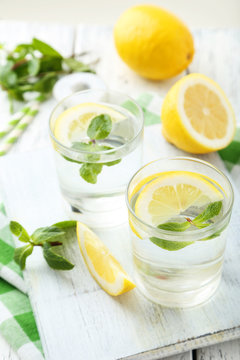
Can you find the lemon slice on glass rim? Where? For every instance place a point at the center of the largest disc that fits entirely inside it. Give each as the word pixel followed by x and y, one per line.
pixel 104 268
pixel 171 193
pixel 72 124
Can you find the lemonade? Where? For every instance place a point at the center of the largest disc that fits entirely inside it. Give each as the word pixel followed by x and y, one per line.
pixel 98 146
pixel 178 220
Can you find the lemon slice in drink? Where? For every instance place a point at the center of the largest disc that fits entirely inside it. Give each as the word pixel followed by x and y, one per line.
pixel 197 116
pixel 171 193
pixel 72 124
pixel 104 268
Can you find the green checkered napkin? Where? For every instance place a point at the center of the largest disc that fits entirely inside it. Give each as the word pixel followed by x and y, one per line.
pixel 17 322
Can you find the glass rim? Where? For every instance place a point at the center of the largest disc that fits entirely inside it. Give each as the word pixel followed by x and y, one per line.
pixel 201 233
pixel 102 152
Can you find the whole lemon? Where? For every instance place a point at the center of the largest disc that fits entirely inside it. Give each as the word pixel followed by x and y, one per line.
pixel 153 42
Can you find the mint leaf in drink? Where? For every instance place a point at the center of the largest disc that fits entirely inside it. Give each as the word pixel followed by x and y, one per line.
pixel 172 226
pixel 89 172
pixel 19 231
pixel 21 254
pixel 65 224
pixel 111 163
pixel 45 49
pixel 100 127
pixel 211 211
pixel 54 260
pixel 170 245
pixel 49 234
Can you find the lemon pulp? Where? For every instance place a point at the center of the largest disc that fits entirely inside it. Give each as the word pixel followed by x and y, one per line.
pixel 166 195
pixel 104 268
pixel 73 123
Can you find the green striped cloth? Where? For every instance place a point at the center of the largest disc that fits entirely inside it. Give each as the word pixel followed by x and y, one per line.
pixel 17 322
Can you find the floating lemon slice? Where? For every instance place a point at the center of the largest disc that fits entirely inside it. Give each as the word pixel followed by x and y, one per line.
pixel 197 116
pixel 72 124
pixel 171 193
pixel 104 268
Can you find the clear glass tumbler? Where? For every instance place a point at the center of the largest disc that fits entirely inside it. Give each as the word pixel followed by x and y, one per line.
pixel 178 268
pixel 93 175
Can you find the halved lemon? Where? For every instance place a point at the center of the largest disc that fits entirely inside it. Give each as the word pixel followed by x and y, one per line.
pixel 197 116
pixel 173 192
pixel 104 268
pixel 72 124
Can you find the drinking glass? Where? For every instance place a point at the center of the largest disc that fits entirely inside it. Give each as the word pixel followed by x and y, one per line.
pixel 100 204
pixel 185 269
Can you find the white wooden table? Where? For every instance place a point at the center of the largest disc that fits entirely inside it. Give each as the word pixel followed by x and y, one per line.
pixel 217 55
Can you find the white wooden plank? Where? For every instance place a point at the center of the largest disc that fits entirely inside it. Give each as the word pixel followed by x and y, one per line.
pixel 225 351
pixel 184 356
pixel 216 54
pixel 111 68
pixel 118 76
pixel 62 38
pixel 73 302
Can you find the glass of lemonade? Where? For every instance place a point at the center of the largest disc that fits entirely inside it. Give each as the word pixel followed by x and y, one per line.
pixel 179 210
pixel 97 136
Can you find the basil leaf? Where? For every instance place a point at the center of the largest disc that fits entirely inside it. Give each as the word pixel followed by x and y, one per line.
pixel 21 254
pixel 100 127
pixel 46 234
pixel 19 231
pixel 212 210
pixel 45 49
pixel 170 245
pixel 172 226
pixel 89 172
pixel 54 260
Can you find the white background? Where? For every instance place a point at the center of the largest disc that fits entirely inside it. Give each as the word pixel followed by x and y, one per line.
pixel 196 13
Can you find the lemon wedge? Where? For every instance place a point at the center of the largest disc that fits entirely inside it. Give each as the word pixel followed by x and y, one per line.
pixel 197 116
pixel 171 193
pixel 104 268
pixel 72 124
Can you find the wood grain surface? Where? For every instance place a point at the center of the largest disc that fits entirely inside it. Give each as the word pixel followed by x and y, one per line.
pixel 217 56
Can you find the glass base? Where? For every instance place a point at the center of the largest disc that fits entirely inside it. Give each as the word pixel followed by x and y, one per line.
pixel 100 218
pixel 175 299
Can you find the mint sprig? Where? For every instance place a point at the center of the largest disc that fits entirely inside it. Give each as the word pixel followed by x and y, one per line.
pixel 49 238
pixel 200 221
pixel 98 129
pixel 35 67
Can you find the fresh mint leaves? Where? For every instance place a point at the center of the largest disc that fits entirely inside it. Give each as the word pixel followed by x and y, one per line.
pixel 49 238
pixel 54 260
pixel 98 129
pixel 21 254
pixel 171 226
pixel 35 67
pixel 89 172
pixel 200 221
pixel 212 210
